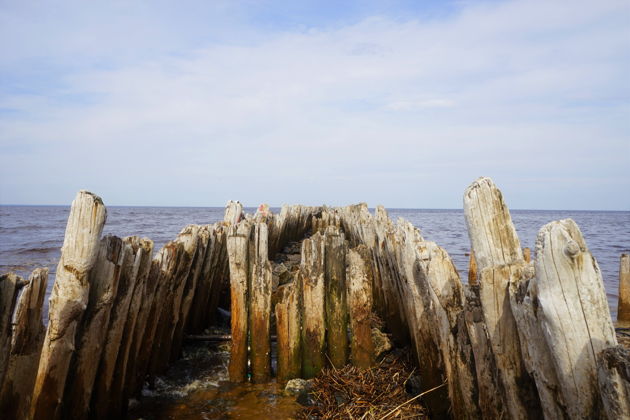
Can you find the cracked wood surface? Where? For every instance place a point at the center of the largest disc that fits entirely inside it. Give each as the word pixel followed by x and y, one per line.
pixel 67 302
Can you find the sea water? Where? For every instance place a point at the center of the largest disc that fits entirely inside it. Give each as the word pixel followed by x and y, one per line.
pixel 31 236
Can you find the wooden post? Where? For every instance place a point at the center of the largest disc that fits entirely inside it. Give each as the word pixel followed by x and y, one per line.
pixel 237 247
pixel 188 238
pixel 220 273
pixel 359 283
pixel 233 212
pixel 195 323
pixel 336 305
pixel 440 289
pixel 26 343
pixel 104 399
pixel 93 329
pixel 288 322
pixel 162 270
pixel 67 302
pixel 143 250
pixel 136 369
pixel 10 285
pixel 497 248
pixel 196 271
pixel 488 384
pixel 527 254
pixel 613 374
pixel 311 277
pixel 472 269
pixel 623 307
pixel 573 310
pixel 260 305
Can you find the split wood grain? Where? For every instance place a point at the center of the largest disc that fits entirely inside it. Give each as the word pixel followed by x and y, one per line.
pixel 335 249
pixel 359 284
pixel 260 304
pixel 67 302
pixel 238 256
pixel 26 338
pixel 311 278
pixel 288 325
pixel 497 247
pixel 92 332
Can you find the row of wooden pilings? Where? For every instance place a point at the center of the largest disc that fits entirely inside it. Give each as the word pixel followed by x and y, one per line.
pixel 525 339
pixel 522 340
pixel 117 316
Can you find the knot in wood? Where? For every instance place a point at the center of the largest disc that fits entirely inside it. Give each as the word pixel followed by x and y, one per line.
pixel 572 248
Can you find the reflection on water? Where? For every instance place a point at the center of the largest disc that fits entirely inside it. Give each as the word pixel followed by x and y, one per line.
pixel 196 387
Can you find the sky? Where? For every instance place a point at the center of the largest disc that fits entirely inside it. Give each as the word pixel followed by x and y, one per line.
pixel 399 103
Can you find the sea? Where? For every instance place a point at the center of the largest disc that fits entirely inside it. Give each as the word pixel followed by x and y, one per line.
pixel 31 236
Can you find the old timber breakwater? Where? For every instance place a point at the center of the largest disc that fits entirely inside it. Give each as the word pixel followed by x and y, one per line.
pixel 521 340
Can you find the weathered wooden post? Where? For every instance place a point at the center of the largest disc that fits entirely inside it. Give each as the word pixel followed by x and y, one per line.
pixel 67 302
pixel 162 270
pixel 498 253
pixel 233 212
pixel 105 399
pixel 188 238
pixel 288 321
pixel 472 269
pixel 93 329
pixel 574 313
pixel 190 287
pixel 26 340
pixel 311 276
pixel 336 305
pixel 10 285
pixel 237 247
pixel 623 306
pixel 613 374
pixel 260 305
pixel 359 284
pixel 143 250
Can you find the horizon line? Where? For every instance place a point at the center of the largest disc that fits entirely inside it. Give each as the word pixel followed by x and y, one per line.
pixel 279 207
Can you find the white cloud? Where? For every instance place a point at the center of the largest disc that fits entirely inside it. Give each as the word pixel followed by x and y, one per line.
pixel 500 89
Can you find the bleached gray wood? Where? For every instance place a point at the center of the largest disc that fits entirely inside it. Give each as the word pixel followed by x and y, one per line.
pixel 573 312
pixel 441 290
pixel 143 250
pixel 497 249
pixel 613 374
pixel 190 287
pixel 10 285
pixel 26 338
pixel 162 271
pixel 525 302
pixel 105 399
pixel 189 238
pixel 93 329
pixel 67 302
pixel 233 212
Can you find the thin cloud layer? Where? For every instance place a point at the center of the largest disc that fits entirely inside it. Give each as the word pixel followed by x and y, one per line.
pixel 156 106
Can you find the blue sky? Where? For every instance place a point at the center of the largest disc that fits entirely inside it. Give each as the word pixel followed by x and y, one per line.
pixel 397 103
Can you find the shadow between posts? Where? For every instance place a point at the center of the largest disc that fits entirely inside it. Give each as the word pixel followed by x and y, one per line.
pixel 523 339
